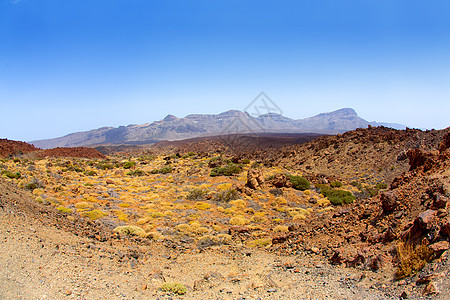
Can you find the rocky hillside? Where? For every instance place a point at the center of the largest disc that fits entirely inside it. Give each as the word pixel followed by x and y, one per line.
pixel 12 148
pixel 230 122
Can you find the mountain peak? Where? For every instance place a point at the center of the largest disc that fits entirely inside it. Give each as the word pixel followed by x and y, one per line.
pixel 346 111
pixel 170 118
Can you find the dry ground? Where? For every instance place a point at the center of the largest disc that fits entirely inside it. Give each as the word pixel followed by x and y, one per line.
pixel 41 261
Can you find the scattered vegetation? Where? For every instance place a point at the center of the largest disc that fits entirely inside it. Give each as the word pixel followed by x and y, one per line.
pixel 227 170
pixel 11 175
pixel 163 170
pixel 197 194
pixel 226 195
pixel 136 173
pixel 338 197
pixel 336 184
pixel 299 182
pixel 129 164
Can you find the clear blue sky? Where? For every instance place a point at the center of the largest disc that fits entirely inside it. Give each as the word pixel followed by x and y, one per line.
pixel 75 65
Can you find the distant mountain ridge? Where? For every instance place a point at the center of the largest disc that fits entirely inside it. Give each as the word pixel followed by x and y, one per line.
pixel 198 125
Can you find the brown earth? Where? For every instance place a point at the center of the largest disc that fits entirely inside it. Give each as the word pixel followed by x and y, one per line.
pixel 9 148
pixel 13 148
pixel 82 152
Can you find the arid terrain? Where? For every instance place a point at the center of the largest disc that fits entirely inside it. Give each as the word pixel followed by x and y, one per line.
pixel 359 215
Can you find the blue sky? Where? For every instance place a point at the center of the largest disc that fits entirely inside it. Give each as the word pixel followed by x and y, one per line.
pixel 68 66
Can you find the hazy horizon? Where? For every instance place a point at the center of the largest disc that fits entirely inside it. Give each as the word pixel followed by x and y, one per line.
pixel 70 66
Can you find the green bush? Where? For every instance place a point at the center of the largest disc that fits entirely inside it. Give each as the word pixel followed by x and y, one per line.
pixel 11 175
pixel 197 194
pixel 338 197
pixel 136 173
pixel 227 170
pixel 299 182
pixel 381 186
pixel 129 164
pixel 336 184
pixel 246 161
pixel 227 195
pixel 163 170
pixel 90 173
pixel 104 166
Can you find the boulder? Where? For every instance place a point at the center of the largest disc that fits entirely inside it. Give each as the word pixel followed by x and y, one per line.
pixel 426 218
pixel 439 247
pixel 419 158
pixel 445 228
pixel 280 180
pixel 445 144
pixel 255 178
pixel 388 201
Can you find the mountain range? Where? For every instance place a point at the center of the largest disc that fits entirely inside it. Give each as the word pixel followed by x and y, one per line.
pixel 199 125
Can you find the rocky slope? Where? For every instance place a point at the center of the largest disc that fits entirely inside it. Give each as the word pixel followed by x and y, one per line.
pixel 13 148
pixel 230 122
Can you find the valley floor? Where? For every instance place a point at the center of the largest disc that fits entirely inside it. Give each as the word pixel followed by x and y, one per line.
pixel 41 261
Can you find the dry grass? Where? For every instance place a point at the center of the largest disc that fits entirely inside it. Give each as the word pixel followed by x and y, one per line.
pixel 412 259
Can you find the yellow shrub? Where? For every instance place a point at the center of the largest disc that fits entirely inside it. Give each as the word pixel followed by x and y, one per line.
pixel 299 217
pixel 281 200
pixel 258 219
pixel 224 186
pixel 217 227
pixel 328 208
pixel 260 243
pixel 255 227
pixel 278 220
pixel 323 202
pixel 64 209
pixel 239 221
pixel 281 228
pixel 307 192
pixel 249 210
pixel 22 183
pixel 84 205
pixel 144 220
pixel 201 230
pixel 38 192
pixel 168 213
pixel 202 205
pixel 224 238
pixel 130 230
pixel 93 214
pixel 184 228
pixel 412 259
pixel 240 204
pixel 124 205
pixel 156 215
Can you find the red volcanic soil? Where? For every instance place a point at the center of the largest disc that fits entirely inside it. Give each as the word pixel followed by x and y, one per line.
pixel 12 148
pixel 71 152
